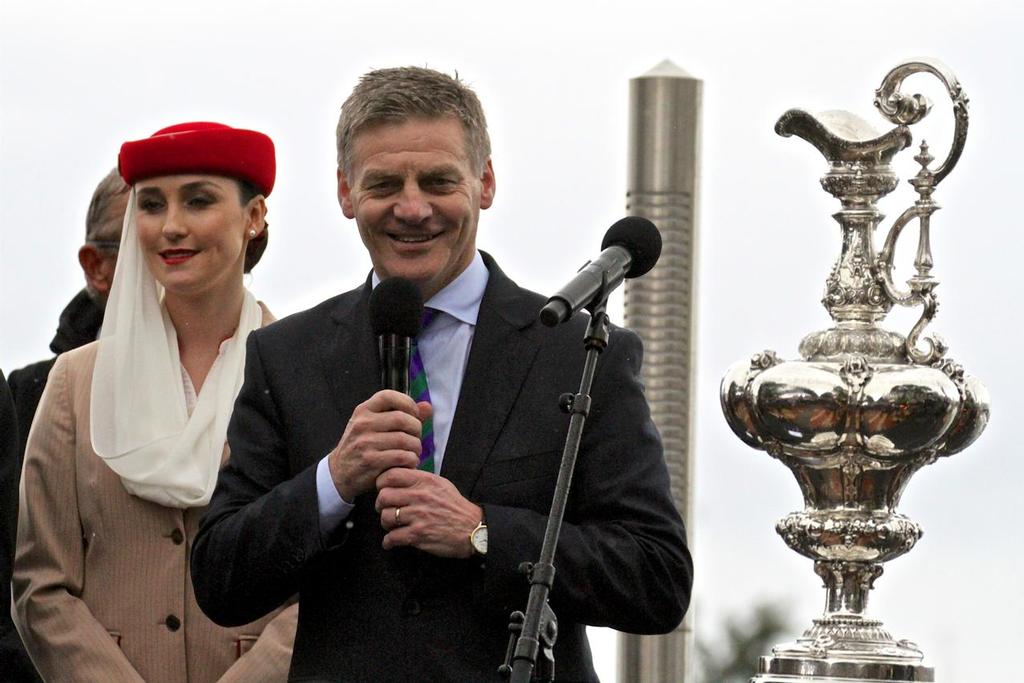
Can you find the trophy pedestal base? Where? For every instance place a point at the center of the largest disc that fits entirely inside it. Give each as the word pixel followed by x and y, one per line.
pixel 845 648
pixel 798 670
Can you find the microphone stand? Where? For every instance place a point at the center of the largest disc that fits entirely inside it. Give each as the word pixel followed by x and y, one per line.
pixel 539 625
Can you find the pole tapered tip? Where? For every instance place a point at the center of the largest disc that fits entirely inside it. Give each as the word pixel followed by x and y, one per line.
pixel 667 69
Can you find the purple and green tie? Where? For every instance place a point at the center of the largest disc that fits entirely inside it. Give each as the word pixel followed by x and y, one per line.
pixel 419 391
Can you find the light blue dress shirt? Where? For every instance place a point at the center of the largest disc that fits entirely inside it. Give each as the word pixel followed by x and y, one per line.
pixel 444 349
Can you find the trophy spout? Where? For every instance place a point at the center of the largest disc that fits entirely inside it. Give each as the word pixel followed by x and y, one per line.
pixel 844 137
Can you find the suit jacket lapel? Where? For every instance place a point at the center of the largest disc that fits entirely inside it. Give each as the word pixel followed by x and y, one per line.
pixel 499 361
pixel 349 356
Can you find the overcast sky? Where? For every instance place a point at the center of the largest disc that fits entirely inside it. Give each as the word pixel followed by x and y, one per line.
pixel 77 79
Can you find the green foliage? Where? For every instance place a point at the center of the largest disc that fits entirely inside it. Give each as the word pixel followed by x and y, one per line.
pixel 733 657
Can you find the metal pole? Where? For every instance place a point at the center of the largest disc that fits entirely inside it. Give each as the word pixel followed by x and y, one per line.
pixel 664 132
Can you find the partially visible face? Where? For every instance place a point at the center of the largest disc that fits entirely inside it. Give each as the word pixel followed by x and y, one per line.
pixel 193 231
pixel 416 199
pixel 100 263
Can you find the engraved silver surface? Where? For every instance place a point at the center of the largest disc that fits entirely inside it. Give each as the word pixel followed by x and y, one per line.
pixel 865 407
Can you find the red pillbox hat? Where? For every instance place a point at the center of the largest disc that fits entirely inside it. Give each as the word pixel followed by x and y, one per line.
pixel 201 147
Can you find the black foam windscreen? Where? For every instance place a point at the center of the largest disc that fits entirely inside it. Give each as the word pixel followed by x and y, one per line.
pixel 640 238
pixel 396 307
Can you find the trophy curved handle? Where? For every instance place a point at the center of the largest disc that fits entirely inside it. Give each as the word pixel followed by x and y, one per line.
pixel 885 260
pixel 909 109
pixel 921 286
pixel 906 110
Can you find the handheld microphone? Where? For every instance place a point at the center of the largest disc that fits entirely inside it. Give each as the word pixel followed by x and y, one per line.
pixel 630 248
pixel 396 311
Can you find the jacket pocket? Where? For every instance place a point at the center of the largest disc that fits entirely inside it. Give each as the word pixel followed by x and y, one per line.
pixel 522 468
pixel 526 481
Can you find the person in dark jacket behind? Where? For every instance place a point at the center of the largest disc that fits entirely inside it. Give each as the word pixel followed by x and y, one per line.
pixel 14 664
pixel 79 324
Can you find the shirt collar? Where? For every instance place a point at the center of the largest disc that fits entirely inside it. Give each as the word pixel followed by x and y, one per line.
pixel 461 297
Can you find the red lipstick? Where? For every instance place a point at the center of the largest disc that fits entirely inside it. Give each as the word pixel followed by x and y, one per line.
pixel 173 257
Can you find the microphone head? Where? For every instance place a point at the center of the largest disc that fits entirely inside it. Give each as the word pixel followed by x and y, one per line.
pixel 640 238
pixel 396 307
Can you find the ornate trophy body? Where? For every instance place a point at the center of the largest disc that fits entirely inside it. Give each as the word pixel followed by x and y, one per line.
pixel 865 407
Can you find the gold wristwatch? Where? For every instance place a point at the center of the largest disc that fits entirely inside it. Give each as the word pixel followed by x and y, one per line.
pixel 478 538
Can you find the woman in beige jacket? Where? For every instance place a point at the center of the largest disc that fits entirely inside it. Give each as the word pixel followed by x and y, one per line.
pixel 130 433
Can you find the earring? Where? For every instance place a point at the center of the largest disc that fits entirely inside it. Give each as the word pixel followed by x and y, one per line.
pixel 252 233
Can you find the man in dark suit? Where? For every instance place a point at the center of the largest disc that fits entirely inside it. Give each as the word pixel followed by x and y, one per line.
pixel 408 570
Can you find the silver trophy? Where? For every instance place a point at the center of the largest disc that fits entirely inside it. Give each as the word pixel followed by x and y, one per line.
pixel 865 407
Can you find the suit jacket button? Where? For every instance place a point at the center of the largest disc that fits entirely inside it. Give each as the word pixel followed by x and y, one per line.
pixel 173 623
pixel 177 537
pixel 411 607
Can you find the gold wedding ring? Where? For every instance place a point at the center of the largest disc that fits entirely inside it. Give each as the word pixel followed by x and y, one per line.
pixel 398 516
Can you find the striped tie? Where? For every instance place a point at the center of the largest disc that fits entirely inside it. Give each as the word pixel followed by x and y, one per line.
pixel 419 391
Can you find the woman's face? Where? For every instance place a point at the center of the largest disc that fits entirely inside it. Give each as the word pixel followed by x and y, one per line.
pixel 193 231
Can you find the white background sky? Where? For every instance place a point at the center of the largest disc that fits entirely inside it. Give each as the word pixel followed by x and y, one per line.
pixel 77 79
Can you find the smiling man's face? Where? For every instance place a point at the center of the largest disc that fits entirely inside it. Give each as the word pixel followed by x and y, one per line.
pixel 416 198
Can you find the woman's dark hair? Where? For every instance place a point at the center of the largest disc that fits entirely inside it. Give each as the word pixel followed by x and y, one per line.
pixel 257 245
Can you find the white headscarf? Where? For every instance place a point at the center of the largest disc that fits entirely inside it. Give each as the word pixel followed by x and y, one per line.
pixel 140 423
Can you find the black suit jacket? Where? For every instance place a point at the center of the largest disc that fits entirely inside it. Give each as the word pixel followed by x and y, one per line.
pixel 15 666
pixel 366 614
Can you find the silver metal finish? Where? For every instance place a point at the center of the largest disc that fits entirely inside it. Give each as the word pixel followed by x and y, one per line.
pixel 866 407
pixel 664 132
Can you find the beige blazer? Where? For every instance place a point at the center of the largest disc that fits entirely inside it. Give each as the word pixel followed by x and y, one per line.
pixel 102 588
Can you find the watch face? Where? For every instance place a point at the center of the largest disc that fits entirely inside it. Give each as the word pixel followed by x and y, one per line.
pixel 479 540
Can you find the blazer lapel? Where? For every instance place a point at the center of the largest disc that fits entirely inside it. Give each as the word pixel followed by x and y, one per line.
pixel 499 360
pixel 349 357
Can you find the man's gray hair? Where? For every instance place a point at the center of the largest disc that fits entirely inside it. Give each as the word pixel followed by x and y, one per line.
pixel 97 227
pixel 409 92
